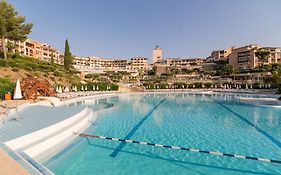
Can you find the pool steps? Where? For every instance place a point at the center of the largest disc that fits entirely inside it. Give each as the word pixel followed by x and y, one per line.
pixel 31 148
pixel 44 133
pixel 46 147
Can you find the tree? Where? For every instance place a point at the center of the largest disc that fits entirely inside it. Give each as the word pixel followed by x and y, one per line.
pixel 229 69
pixel 67 56
pixel 262 55
pixel 12 25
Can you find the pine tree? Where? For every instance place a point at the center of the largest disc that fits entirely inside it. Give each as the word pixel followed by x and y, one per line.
pixel 67 56
pixel 12 25
pixel 262 55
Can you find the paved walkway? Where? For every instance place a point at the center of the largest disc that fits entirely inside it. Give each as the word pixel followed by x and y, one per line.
pixel 9 166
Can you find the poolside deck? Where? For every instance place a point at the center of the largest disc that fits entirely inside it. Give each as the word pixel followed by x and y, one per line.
pixel 9 166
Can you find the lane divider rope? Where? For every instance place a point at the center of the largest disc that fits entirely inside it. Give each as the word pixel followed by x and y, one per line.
pixel 183 148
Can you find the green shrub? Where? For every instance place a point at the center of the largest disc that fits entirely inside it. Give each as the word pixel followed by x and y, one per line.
pixel 15 69
pixel 198 85
pixel 27 68
pixel 3 63
pixel 208 85
pixel 6 85
pixel 58 73
pixel 92 76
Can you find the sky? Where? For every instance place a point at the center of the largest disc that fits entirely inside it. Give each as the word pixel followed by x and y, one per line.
pixel 128 28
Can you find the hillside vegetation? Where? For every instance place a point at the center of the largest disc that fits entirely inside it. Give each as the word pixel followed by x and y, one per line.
pixel 29 67
pixel 19 67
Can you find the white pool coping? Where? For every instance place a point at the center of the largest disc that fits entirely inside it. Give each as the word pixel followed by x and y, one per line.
pixel 42 148
pixel 33 137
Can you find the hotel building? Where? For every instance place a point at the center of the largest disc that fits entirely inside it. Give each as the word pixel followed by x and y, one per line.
pixel 275 54
pixel 244 57
pixel 100 65
pixel 218 55
pixel 37 50
pixel 138 63
pixel 184 62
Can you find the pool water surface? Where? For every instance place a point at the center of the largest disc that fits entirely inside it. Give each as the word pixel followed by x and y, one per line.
pixel 206 122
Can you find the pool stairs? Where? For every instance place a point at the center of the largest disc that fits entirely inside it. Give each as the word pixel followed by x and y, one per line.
pixel 45 142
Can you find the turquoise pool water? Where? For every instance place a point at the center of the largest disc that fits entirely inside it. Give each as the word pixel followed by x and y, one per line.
pixel 207 122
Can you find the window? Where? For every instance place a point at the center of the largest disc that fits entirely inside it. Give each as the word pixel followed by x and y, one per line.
pixel 243 57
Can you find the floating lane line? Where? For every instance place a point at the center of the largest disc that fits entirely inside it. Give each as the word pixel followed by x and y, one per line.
pixel 185 149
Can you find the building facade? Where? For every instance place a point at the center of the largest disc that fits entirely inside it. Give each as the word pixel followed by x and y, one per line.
pixel 218 55
pixel 138 63
pixel 184 62
pixel 275 54
pixel 244 57
pixel 35 49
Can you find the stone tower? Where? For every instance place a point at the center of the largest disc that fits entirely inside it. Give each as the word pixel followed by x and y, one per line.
pixel 157 55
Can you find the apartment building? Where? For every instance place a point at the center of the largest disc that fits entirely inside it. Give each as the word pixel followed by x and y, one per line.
pixel 275 54
pixel 138 63
pixel 36 49
pixel 218 55
pixel 99 64
pixel 184 62
pixel 244 57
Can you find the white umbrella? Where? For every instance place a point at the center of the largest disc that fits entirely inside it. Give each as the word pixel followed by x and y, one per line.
pixel 17 96
pixel 60 89
pixel 66 89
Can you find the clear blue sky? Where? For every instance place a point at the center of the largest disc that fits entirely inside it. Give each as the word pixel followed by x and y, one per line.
pixel 127 28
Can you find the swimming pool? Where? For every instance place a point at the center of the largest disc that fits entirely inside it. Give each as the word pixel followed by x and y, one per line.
pixel 202 121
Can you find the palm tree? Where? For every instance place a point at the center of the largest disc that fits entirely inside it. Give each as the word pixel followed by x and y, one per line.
pixel 262 55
